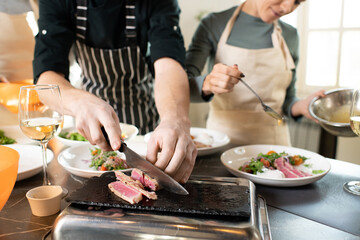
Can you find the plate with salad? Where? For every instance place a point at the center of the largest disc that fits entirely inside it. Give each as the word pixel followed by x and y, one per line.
pixel 70 136
pixel 275 165
pixel 88 161
pixel 12 134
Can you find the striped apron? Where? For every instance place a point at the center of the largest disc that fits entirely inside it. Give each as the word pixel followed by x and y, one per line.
pixel 119 76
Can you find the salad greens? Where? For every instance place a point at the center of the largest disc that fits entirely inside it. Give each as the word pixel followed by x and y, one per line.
pixel 106 160
pixel 317 171
pixel 73 136
pixel 256 164
pixel 4 139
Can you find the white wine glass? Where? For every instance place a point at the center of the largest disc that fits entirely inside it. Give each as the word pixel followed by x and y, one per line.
pixel 354 186
pixel 41 116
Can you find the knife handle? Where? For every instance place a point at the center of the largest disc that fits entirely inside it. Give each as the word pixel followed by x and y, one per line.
pixel 108 141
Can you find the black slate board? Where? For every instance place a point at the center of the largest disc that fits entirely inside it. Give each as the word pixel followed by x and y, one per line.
pixel 205 198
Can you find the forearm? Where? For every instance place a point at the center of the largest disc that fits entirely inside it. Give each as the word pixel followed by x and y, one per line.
pixel 69 94
pixel 172 137
pixel 172 95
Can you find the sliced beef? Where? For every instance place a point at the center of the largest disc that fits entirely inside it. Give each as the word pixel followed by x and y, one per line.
pixel 135 184
pixel 288 170
pixel 296 171
pixel 145 179
pixel 125 192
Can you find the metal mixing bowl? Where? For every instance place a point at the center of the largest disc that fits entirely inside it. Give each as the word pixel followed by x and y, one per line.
pixel 333 111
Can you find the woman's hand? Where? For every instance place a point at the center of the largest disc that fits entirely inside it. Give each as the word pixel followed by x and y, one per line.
pixel 301 107
pixel 221 79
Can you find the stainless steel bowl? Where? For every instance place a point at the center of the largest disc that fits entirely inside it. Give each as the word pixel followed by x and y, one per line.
pixel 333 111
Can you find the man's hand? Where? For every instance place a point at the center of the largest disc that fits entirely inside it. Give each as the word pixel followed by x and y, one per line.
pixel 90 112
pixel 172 149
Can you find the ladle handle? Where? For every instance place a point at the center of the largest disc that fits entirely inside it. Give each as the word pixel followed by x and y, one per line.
pixel 262 103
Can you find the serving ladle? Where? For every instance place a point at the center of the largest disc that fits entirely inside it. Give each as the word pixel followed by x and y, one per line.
pixel 271 112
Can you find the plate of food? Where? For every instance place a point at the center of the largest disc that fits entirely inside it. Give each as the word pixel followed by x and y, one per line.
pixel 88 161
pixel 207 141
pixel 275 165
pixel 30 164
pixel 12 134
pixel 70 136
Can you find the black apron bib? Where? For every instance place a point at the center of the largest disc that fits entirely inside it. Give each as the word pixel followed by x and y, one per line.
pixel 119 76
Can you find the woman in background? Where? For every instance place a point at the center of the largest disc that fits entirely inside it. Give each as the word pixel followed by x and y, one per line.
pixel 252 38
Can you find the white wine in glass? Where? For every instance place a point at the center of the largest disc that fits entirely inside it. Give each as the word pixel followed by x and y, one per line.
pixel 41 116
pixel 354 186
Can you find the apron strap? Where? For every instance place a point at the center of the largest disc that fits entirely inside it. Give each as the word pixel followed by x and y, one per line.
pixel 278 41
pixel 130 29
pixel 277 38
pixel 81 19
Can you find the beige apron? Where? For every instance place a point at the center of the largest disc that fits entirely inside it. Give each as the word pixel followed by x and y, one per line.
pixel 16 47
pixel 268 71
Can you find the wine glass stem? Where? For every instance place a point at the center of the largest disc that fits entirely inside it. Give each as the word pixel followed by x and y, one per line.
pixel 46 180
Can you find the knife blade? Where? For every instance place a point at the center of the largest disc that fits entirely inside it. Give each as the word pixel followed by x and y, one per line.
pixel 136 161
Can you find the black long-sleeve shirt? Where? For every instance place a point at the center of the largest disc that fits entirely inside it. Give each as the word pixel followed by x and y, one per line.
pixel 157 23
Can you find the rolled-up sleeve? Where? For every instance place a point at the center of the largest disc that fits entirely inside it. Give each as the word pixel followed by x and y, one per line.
pixel 202 48
pixel 164 32
pixel 55 38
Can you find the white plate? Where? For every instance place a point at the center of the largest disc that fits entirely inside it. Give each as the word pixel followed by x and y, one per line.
pixel 14 132
pixel 77 159
pixel 130 130
pixel 235 157
pixel 30 162
pixel 219 140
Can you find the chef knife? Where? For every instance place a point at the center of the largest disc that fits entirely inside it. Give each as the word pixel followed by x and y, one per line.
pixel 136 161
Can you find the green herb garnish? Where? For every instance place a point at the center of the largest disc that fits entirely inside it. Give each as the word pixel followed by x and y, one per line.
pixel 4 139
pixel 73 136
pixel 317 171
pixel 253 167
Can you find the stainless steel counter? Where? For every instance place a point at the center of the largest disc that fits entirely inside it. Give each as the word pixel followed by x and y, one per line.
pixel 17 222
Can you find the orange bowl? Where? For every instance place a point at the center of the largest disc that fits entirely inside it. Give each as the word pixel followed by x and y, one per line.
pixel 9 94
pixel 9 164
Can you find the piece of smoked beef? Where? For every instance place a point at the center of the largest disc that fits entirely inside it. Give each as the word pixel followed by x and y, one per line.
pixel 296 171
pixel 145 179
pixel 125 192
pixel 288 170
pixel 135 184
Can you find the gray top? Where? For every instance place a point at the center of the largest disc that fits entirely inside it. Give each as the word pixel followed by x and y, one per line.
pixel 248 32
pixel 15 6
